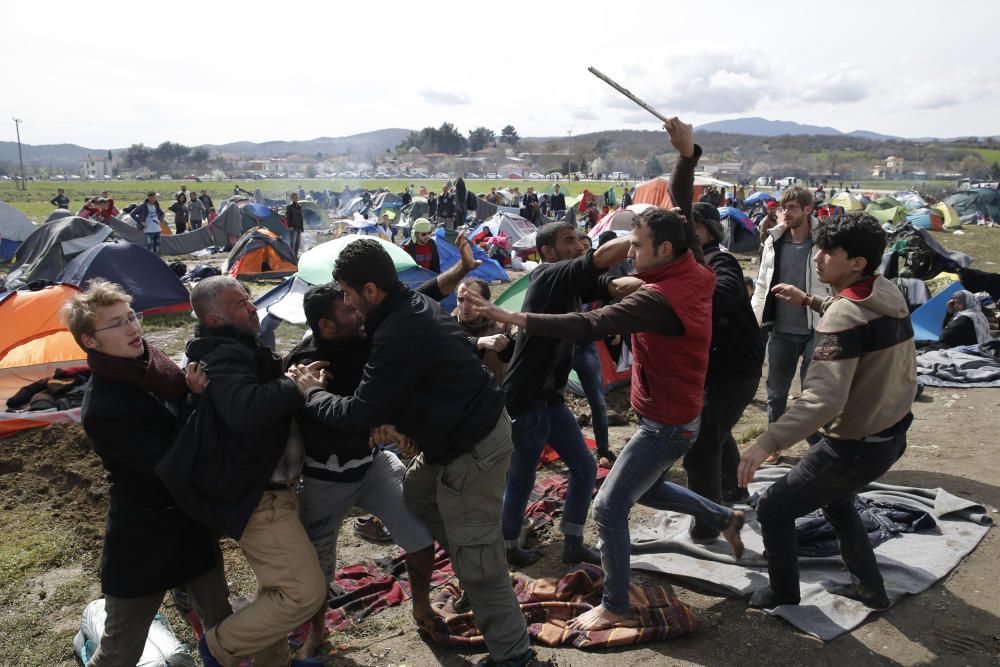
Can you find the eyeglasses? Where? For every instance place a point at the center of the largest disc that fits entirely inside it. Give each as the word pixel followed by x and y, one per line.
pixel 131 318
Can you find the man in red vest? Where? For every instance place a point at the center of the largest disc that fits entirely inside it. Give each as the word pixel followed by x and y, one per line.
pixel 670 319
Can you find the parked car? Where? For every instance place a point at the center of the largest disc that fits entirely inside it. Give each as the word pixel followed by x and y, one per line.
pixel 535 174
pixel 441 174
pixel 492 175
pixel 472 174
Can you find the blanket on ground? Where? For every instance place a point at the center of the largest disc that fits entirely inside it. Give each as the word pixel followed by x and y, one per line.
pixel 549 603
pixel 963 366
pixel 910 562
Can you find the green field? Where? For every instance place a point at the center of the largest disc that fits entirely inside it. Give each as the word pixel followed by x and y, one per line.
pixel 35 201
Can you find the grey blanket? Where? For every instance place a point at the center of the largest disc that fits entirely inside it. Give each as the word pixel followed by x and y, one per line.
pixel 910 563
pixel 958 367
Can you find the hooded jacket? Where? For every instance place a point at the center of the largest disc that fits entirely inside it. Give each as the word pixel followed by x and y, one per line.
pixel 225 454
pixel 763 301
pixel 863 374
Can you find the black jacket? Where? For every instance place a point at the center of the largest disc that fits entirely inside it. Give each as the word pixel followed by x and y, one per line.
pixel 957 331
pixel 736 351
pixel 229 447
pixel 293 215
pixel 150 544
pixel 141 212
pixel 347 359
pixel 423 376
pixel 557 202
pixel 435 265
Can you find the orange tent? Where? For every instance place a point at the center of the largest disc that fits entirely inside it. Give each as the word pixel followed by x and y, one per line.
pixel 260 253
pixel 33 343
pixel 657 190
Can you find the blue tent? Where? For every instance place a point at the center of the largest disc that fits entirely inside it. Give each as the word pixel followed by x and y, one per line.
pixel 740 234
pixel 490 270
pixel 756 197
pixel 154 288
pixel 14 228
pixel 258 215
pixel 927 318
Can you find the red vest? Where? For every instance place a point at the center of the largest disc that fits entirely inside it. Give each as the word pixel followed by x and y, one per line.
pixel 668 372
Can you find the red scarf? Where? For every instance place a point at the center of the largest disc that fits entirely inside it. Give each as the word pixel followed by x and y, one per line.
pixel 154 372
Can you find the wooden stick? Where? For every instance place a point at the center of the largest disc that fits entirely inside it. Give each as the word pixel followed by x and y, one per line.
pixel 624 91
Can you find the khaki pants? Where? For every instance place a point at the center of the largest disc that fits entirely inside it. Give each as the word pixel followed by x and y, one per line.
pixel 128 619
pixel 461 503
pixel 290 586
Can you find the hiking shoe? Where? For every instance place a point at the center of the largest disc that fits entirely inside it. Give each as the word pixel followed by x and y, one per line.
pixel 462 604
pixel 524 660
pixel 206 656
pixel 372 528
pixel 877 600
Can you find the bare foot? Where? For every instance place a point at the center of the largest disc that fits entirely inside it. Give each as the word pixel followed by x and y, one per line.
pixel 317 632
pixel 600 618
pixel 425 616
pixel 732 534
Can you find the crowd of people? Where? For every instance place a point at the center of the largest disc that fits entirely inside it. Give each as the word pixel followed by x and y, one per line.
pixel 434 421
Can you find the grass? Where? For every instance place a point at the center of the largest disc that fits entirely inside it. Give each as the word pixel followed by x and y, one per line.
pixel 34 202
pixel 32 544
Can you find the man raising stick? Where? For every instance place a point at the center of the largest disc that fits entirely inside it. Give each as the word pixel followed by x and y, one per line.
pixel 669 318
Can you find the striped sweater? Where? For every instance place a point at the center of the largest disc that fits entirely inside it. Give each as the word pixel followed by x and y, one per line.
pixel 862 377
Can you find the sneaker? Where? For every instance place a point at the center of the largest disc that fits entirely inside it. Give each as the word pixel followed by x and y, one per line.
pixel 372 528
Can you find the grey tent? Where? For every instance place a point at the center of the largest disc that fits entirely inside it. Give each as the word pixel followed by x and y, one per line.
pixel 14 229
pixel 43 255
pixel 976 201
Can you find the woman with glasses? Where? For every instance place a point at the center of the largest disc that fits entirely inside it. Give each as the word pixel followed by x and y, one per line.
pixel 132 412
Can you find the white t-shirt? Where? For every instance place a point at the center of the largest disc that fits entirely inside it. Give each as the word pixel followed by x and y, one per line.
pixel 152 221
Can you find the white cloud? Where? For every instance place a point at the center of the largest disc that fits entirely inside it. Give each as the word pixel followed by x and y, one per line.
pixel 443 97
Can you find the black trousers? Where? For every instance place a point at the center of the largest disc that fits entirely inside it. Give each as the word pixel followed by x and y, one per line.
pixel 710 458
pixel 828 477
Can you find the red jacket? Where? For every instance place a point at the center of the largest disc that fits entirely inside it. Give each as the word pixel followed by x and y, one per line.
pixel 668 372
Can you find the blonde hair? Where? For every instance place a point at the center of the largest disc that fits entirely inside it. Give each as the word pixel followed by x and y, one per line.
pixel 80 312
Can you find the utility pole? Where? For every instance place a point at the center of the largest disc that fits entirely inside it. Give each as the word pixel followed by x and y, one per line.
pixel 20 158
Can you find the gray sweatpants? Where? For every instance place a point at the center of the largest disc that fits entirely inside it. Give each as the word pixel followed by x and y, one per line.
pixel 461 502
pixel 379 492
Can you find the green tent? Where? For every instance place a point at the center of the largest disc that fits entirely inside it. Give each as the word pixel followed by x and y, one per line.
pixel 316 264
pixel 887 209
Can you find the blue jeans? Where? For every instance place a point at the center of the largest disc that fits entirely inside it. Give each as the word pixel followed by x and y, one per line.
pixel 639 476
pixel 783 353
pixel 587 365
pixel 556 426
pixel 153 242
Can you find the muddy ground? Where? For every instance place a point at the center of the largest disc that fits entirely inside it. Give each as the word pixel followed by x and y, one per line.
pixel 53 473
pixel 50 476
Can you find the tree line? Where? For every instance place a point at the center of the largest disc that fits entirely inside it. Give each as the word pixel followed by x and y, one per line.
pixel 447 139
pixel 168 155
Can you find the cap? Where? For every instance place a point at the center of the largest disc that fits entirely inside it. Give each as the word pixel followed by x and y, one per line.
pixel 772 204
pixel 422 225
pixel 708 215
pixel 389 213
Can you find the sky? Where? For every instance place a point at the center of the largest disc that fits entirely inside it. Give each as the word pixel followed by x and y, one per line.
pixel 110 74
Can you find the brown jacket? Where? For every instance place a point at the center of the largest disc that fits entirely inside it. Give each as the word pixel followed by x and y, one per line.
pixel 863 374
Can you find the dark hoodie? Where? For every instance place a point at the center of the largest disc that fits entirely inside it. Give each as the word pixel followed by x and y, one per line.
pixel 223 459
pixel 737 351
pixel 347 359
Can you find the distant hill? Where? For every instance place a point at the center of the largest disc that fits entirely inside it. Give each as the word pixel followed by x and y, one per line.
pixel 68 156
pixel 762 127
pixel 374 142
